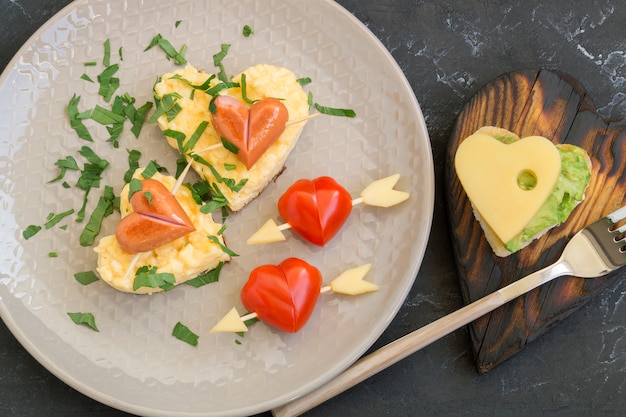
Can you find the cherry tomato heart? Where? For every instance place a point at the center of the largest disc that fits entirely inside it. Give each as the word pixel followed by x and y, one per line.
pixel 315 209
pixel 283 295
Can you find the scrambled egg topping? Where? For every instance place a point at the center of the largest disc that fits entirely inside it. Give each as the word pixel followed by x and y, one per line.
pixel 185 257
pixel 262 81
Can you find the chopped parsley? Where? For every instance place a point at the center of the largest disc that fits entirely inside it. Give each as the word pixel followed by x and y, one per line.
pixel 217 61
pixel 106 117
pixel 149 277
pixel 84 318
pixel 108 82
pixel 52 255
pixel 64 164
pixel 53 219
pixel 76 122
pixel 203 87
pixel 90 177
pixel 152 168
pixel 104 208
pixel 168 48
pixel 335 111
pixel 106 60
pixel 166 105
pixel 244 89
pixel 229 146
pixel 137 117
pixel 31 231
pixel 225 249
pixel 247 31
pixel 304 81
pixel 182 332
pixel 218 200
pixel 133 164
pixel 133 186
pixel 206 278
pixel 86 277
pixel 191 143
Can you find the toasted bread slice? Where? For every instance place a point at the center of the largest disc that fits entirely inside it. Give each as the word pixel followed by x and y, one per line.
pixel 568 193
pixel 236 183
pixel 185 258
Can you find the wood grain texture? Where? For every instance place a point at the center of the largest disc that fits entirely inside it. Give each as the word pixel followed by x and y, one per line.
pixel 553 105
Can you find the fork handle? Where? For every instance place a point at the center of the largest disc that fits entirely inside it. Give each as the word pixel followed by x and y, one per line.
pixel 414 341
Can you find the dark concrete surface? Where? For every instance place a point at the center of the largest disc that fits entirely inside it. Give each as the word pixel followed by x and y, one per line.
pixel 448 50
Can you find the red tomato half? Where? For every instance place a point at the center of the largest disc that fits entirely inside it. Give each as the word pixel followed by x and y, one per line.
pixel 316 209
pixel 283 295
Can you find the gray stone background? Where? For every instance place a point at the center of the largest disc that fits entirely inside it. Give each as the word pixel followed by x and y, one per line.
pixel 448 50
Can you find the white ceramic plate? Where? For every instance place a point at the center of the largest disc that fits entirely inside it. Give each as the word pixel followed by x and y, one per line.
pixel 134 363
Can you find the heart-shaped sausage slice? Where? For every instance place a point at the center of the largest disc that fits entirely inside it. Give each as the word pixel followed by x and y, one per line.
pixel 283 295
pixel 315 209
pixel 252 131
pixel 157 219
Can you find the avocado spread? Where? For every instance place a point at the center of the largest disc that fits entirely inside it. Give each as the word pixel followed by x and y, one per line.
pixel 568 192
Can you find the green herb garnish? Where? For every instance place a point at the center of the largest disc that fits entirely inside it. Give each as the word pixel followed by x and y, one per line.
pixel 191 143
pixel 134 186
pixel 335 111
pixel 64 164
pixel 225 249
pixel 84 318
pixel 149 277
pixel 86 277
pixel 168 48
pixel 31 231
pixel 229 146
pixel 244 90
pixel 103 209
pixel 152 168
pixel 247 31
pixel 108 83
pixel 217 61
pixel 56 218
pixel 133 163
pixel 182 332
pixel 304 81
pixel 106 60
pixel 137 117
pixel 75 121
pixel 106 117
pixel 206 278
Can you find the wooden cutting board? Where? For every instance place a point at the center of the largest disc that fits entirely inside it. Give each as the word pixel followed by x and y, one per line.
pixel 555 106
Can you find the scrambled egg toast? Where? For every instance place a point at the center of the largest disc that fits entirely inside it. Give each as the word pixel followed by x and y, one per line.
pixel 262 81
pixel 185 257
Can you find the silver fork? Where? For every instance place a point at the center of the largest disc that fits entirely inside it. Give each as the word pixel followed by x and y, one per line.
pixel 594 251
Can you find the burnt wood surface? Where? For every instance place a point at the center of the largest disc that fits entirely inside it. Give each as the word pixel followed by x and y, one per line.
pixel 553 105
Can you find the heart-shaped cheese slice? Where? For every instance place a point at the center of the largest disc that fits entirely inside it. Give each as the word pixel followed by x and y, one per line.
pixel 489 171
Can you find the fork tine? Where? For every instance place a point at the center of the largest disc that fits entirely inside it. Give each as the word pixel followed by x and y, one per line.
pixel 617 215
